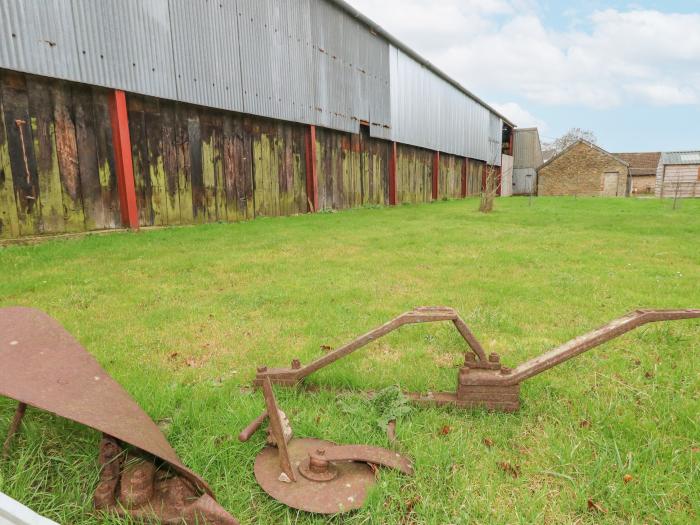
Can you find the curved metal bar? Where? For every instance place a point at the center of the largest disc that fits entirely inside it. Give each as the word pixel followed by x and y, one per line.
pixel 592 339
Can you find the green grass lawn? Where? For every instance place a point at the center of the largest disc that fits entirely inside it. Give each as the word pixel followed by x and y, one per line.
pixel 181 317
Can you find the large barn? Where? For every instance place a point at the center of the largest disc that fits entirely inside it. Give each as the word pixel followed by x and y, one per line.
pixel 140 113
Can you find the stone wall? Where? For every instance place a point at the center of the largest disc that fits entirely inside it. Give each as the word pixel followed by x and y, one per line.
pixel 580 171
pixel 643 185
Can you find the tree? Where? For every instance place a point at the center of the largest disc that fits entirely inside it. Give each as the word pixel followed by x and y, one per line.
pixel 550 149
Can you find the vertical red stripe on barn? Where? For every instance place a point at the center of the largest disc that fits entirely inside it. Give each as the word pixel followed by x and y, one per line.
pixel 122 158
pixel 311 173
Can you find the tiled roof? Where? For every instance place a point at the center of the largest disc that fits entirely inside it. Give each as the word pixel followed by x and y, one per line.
pixel 641 163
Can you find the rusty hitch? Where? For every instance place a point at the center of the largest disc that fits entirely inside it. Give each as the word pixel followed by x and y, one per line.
pixel 482 381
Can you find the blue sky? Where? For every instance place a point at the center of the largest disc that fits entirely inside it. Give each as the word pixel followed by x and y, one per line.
pixel 628 71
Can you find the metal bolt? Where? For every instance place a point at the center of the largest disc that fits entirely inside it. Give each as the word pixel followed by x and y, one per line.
pixel 469 358
pixel 494 358
pixel 505 371
pixel 296 364
pixel 262 369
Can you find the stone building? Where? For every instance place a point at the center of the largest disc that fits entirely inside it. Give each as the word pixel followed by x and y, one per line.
pixel 583 169
pixel 642 171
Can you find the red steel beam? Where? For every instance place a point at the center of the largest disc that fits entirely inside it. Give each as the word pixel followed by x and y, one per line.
pixel 465 167
pixel 436 173
pixel 311 173
pixel 393 163
pixel 122 158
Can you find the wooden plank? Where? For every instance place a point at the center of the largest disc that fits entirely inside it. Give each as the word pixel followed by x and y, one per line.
pixel 218 160
pixel 139 150
pixel 243 151
pixel 199 200
pixel 67 151
pixel 96 215
pixel 20 151
pixel 184 166
pixel 169 152
pixel 43 133
pixel 209 164
pixel 156 191
pixel 105 159
pixel 9 223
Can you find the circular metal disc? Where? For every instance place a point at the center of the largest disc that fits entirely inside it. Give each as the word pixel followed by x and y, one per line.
pixel 346 492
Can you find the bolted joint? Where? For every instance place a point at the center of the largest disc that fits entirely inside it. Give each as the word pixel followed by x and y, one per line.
pixel 296 364
pixel 494 358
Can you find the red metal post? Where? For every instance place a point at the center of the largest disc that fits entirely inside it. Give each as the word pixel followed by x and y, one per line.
pixel 311 173
pixel 484 170
pixel 122 159
pixel 465 167
pixel 393 163
pixel 436 174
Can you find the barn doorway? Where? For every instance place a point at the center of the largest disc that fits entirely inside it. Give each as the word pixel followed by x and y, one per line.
pixel 610 184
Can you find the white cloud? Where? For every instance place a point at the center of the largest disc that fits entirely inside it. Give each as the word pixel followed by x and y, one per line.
pixel 638 56
pixel 521 117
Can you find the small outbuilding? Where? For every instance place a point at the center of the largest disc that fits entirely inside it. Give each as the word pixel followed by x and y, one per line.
pixel 643 167
pixel 527 157
pixel 583 169
pixel 678 174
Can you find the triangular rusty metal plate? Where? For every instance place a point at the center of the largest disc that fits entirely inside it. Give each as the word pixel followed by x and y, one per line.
pixel 42 365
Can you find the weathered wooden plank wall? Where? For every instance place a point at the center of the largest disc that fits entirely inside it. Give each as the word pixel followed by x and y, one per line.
pixel 353 169
pixel 450 176
pixel 56 158
pixel 191 164
pixel 414 174
pixel 476 170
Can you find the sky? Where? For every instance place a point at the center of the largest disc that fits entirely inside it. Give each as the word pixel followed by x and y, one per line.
pixel 628 71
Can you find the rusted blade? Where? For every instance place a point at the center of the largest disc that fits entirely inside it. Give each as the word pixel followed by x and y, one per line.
pixel 347 491
pixel 42 365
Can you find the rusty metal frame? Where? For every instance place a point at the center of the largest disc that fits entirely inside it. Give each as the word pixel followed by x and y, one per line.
pixel 482 381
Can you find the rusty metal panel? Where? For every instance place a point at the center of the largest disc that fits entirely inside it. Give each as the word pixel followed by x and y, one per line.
pixel 125 45
pixel 206 53
pixel 38 37
pixel 429 112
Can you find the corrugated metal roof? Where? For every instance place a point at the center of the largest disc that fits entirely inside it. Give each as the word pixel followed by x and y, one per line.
pixel 310 61
pixel 429 112
pixel 125 44
pixel 418 58
pixel 680 157
pixel 205 51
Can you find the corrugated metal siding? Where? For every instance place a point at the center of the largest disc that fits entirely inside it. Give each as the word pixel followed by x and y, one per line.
pixel 307 61
pixel 527 150
pixel 429 112
pixel 38 37
pixel 206 54
pixel 125 44
pixel 524 181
